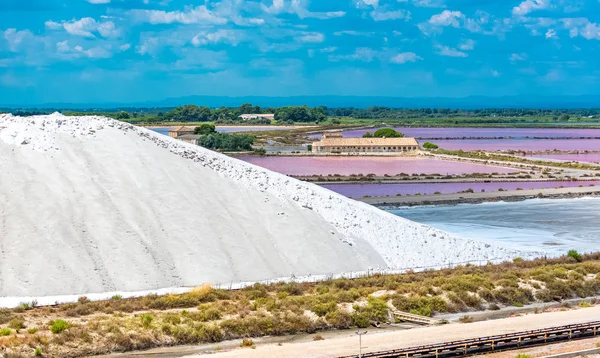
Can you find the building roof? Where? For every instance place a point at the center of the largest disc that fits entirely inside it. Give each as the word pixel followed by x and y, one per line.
pixel 183 129
pixel 360 142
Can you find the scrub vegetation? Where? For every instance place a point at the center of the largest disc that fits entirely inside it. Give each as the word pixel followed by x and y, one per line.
pixel 212 315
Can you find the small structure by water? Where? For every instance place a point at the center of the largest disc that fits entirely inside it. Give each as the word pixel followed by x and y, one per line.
pixel 181 131
pixel 336 143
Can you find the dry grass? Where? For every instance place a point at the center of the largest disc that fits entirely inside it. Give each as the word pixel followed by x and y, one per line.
pixel 210 315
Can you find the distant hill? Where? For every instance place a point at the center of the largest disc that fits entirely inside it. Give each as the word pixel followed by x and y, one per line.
pixel 471 102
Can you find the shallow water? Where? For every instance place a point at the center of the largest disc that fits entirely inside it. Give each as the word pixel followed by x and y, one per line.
pixel 369 165
pixel 554 226
pixel 459 132
pixel 231 129
pixel 362 190
pixel 591 158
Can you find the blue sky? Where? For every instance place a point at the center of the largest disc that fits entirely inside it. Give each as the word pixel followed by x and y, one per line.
pixel 95 51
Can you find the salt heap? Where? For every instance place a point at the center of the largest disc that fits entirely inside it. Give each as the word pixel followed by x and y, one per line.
pixel 91 205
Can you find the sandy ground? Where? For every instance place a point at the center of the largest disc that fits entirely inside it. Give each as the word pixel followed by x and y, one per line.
pixel 374 341
pixel 92 205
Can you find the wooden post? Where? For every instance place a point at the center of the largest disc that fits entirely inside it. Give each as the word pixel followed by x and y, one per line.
pixel 519 344
pixel 492 346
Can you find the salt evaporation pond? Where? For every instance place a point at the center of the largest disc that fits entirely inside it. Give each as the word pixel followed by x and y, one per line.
pixel 590 158
pixel 369 165
pixel 554 226
pixel 362 190
pixel 465 132
pixel 519 144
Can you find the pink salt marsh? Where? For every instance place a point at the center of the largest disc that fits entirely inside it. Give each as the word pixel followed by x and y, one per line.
pixel 362 190
pixel 369 165
pixel 519 144
pixel 460 132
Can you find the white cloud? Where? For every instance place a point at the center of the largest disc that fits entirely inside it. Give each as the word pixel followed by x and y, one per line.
pixel 125 47
pixel 551 34
pixel 451 52
pixel 381 15
pixel 405 57
pixel 191 15
pixel 428 3
pixel 353 33
pixel 582 27
pixel 68 52
pixel 467 45
pixel 82 27
pixel 515 57
pixel 206 38
pixel 496 73
pixel 363 3
pixel 528 6
pixel 86 27
pixel 299 7
pixel 16 38
pixel 447 18
pixel 329 49
pixel 363 54
pixel 314 37
pixel 99 1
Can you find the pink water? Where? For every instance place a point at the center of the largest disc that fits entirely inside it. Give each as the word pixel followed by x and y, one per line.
pixel 520 144
pixel 369 165
pixel 362 190
pixel 592 157
pixel 454 132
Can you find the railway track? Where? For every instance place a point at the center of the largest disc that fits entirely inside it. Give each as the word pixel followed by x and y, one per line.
pixel 491 344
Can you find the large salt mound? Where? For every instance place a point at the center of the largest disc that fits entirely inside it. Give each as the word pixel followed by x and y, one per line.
pixel 89 204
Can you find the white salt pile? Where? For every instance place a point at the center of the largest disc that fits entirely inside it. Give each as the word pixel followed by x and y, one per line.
pixel 91 205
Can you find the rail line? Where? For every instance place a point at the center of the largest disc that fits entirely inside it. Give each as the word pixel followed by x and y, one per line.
pixel 492 343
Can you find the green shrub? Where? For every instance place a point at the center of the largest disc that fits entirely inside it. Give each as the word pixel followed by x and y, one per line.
pixel 428 145
pixel 59 326
pixel 322 309
pixel 360 320
pixel 146 320
pixel 38 352
pixel 575 255
pixel 246 343
pixel 116 297
pixel 339 319
pixel 5 332
pixel 32 330
pixel 17 324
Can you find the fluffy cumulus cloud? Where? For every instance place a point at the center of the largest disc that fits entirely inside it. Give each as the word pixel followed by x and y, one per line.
pixel 405 57
pixel 212 38
pixel 299 8
pixel 86 27
pixel 67 51
pixel 451 52
pixel 17 39
pixel 99 1
pixel 191 15
pixel 528 6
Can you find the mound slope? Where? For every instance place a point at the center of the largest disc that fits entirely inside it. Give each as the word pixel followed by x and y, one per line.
pixel 89 204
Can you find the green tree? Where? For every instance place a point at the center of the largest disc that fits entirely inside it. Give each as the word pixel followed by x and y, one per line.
pixel 122 115
pixel 387 133
pixel 205 129
pixel 429 145
pixel 189 113
pixel 367 135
